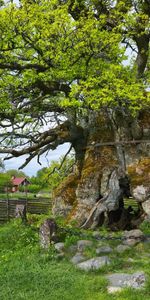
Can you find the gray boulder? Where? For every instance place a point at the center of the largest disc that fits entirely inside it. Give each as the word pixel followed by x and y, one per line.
pixel 130 242
pixel 133 237
pixel 104 249
pixel 119 281
pixel 59 247
pixel 141 193
pixel 72 249
pixel 122 248
pixel 83 244
pixel 135 234
pixel 94 263
pixel 77 258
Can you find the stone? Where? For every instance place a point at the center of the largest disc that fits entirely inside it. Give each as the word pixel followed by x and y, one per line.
pixel 94 263
pixel 114 289
pixel 59 247
pixel 141 193
pixel 118 281
pixel 146 206
pixel 21 212
pixel 104 249
pixel 44 236
pixel 134 234
pixel 133 237
pixel 130 242
pixel 122 248
pixel 72 249
pixel 83 244
pixel 47 233
pixel 77 258
pixel 130 260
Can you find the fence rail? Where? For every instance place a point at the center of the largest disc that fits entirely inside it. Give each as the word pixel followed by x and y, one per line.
pixel 33 206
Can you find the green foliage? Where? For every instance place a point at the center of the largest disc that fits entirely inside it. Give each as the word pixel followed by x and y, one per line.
pixel 58 57
pixel 33 188
pixel 16 173
pixel 5 182
pixel 46 44
pixel 49 178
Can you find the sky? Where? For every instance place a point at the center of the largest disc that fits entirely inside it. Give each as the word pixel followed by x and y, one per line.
pixel 33 166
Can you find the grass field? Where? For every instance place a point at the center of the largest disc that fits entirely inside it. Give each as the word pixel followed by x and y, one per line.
pixel 16 195
pixel 21 195
pixel 29 273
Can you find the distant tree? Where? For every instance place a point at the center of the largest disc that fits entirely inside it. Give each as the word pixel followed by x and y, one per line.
pixel 32 188
pixel 5 182
pixel 49 178
pixel 16 173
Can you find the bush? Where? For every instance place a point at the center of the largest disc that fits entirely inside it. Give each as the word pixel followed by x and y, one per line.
pixel 33 188
pixel 5 182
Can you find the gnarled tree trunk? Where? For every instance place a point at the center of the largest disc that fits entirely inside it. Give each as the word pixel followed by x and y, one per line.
pixel 109 160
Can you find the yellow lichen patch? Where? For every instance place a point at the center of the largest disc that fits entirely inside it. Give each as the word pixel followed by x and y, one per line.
pixel 108 156
pixel 139 173
pixel 72 213
pixel 97 159
pixel 66 190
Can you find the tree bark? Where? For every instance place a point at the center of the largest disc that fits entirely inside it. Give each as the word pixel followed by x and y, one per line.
pixel 89 195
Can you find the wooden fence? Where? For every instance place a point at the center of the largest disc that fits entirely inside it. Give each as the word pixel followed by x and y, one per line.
pixel 33 206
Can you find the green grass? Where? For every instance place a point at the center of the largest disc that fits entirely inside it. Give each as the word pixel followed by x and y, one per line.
pixel 16 195
pixel 29 273
pixel 21 195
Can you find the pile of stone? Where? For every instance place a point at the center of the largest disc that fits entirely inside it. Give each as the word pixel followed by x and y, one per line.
pixel 79 258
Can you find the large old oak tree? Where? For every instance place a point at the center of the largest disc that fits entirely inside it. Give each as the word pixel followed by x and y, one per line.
pixel 78 72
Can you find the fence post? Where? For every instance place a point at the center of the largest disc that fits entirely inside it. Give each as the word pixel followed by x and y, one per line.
pixel 7 203
pixel 26 201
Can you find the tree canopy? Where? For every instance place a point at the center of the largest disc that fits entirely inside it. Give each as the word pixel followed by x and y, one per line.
pixel 60 60
pixel 16 173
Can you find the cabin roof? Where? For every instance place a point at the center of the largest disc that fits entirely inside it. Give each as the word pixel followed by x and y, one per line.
pixel 18 180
